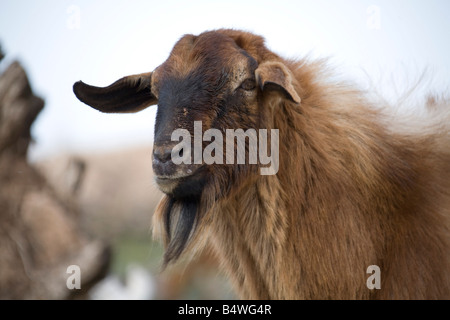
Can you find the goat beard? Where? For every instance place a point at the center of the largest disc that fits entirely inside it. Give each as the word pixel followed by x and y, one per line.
pixel 182 223
pixel 180 220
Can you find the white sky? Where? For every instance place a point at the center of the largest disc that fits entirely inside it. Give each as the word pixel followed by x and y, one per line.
pixel 61 42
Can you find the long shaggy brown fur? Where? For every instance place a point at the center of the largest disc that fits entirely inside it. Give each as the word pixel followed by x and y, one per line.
pixel 354 189
pixel 350 193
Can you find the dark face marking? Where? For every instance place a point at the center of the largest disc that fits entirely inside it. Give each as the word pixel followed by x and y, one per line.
pixel 211 79
pixel 208 79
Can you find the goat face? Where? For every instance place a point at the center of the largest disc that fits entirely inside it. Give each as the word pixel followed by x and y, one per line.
pixel 219 78
pixel 208 79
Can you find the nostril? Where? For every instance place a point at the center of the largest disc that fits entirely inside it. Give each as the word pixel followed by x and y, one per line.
pixel 162 154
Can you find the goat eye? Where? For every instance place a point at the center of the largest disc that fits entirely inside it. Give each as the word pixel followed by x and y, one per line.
pixel 248 84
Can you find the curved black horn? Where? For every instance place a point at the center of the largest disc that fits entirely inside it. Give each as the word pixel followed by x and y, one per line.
pixel 128 94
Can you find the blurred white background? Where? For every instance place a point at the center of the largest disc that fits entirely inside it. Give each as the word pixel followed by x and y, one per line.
pixel 61 42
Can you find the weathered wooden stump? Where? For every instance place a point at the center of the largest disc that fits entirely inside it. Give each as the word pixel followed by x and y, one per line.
pixel 40 235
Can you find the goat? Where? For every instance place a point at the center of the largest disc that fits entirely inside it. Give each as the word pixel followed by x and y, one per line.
pixel 351 191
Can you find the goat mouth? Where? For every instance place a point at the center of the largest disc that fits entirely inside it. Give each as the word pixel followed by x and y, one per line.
pixel 166 178
pixel 182 185
pixel 168 183
pixel 176 176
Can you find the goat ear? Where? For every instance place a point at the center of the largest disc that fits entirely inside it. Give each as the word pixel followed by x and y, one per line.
pixel 129 94
pixel 274 75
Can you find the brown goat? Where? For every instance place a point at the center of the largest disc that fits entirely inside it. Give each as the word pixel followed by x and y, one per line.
pixel 350 192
